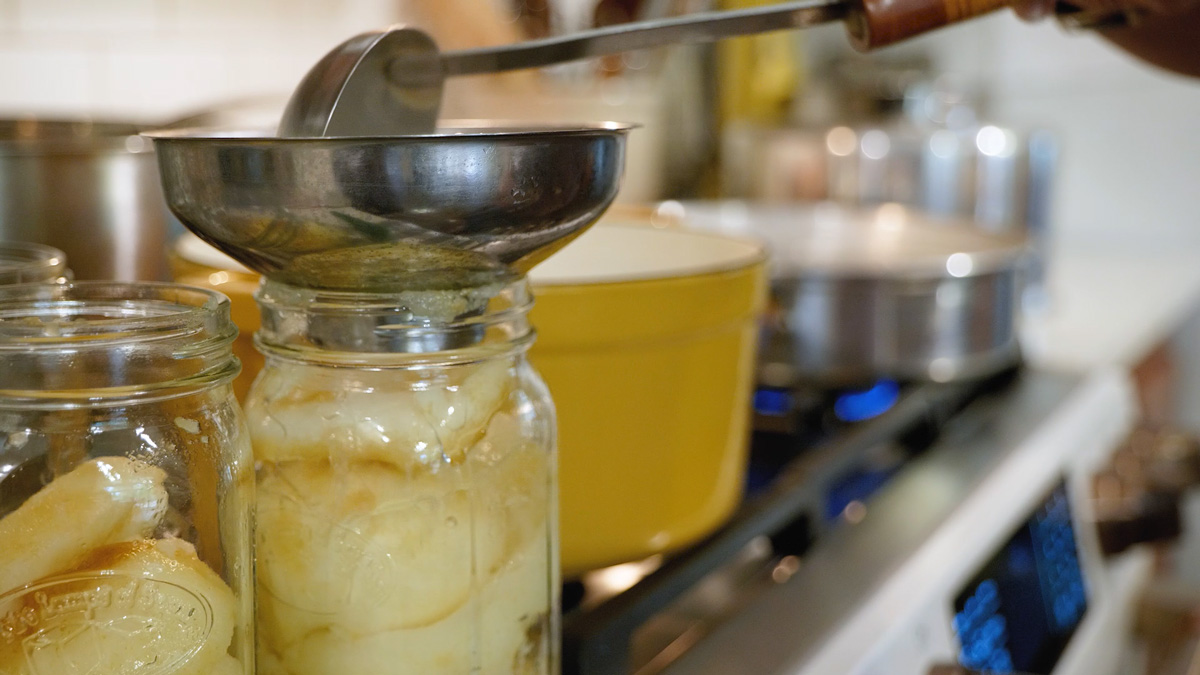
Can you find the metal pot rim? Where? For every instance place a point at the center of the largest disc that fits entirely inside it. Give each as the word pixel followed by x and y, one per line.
pixel 35 136
pixel 969 266
pixel 937 248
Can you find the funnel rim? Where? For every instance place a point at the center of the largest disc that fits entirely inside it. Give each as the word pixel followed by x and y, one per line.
pixel 450 130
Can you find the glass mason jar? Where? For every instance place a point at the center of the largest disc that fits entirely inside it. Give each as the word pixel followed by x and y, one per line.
pixel 126 483
pixel 22 263
pixel 407 517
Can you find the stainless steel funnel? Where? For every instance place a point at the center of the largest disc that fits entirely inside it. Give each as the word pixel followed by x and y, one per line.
pixel 466 206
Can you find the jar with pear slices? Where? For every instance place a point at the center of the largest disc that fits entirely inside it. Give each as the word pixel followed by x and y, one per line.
pixel 126 484
pixel 406 498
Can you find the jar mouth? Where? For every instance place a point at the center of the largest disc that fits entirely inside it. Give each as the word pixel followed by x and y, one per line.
pixel 99 339
pixel 97 313
pixel 339 325
pixel 23 262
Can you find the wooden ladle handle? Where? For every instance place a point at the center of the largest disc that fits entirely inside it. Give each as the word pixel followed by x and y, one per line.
pixel 879 23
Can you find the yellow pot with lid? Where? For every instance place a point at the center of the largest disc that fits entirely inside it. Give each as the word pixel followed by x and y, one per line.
pixel 647 339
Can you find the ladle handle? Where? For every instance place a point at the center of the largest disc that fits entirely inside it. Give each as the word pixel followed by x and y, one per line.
pixel 1074 18
pixel 870 23
pixel 879 23
pixel 698 27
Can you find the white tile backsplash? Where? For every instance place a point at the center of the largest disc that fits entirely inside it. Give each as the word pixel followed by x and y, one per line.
pixel 45 80
pixel 8 17
pixel 1045 60
pixel 97 16
pixel 239 17
pixel 1130 161
pixel 148 58
pixel 151 85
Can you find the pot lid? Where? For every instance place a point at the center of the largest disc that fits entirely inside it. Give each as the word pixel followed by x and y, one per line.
pixel 616 253
pixel 832 240
pixel 195 250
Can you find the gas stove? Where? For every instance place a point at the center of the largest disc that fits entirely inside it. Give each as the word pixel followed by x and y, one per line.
pixel 888 530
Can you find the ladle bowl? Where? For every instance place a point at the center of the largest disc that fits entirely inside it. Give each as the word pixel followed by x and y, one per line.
pixel 468 204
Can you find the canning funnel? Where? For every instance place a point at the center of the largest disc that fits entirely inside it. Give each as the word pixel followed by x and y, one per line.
pixel 468 205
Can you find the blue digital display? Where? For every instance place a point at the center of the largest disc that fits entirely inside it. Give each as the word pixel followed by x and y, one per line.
pixel 856 406
pixel 1021 609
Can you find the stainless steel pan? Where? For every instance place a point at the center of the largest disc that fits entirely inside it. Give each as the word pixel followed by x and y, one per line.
pixel 883 292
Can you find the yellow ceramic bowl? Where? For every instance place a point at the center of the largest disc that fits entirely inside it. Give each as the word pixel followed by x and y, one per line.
pixel 647 338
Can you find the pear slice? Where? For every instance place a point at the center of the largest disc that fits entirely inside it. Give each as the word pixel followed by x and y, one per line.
pixel 130 607
pixel 363 546
pixel 174 562
pixel 505 633
pixel 100 501
pixel 229 666
pixel 421 428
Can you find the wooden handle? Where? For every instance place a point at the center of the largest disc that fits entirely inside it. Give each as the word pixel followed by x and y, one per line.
pixel 879 23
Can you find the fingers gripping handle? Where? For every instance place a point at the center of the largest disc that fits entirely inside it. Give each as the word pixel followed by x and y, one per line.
pixel 879 23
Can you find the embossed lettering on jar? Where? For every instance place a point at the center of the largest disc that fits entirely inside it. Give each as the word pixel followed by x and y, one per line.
pixel 406 503
pixel 125 484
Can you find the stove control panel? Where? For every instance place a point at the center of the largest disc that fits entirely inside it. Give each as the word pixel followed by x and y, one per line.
pixel 1021 607
pixel 1015 581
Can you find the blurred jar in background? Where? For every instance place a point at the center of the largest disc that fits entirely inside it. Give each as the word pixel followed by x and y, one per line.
pixel 22 263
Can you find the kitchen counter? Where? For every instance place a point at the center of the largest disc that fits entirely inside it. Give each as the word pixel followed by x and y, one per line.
pixel 1110 307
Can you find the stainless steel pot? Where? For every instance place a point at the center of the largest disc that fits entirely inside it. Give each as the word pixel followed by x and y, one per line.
pixel 1000 178
pixel 883 292
pixel 90 189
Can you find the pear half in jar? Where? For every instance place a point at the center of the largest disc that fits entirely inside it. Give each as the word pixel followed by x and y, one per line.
pixel 404 607
pixel 131 607
pixel 299 418
pixel 99 502
pixel 363 558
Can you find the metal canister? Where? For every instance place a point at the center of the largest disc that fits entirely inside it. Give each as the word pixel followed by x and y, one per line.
pixel 89 189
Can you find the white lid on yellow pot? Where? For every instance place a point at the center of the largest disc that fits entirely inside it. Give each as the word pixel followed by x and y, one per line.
pixel 619 252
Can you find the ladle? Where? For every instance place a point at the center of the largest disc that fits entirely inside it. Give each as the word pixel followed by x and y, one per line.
pixel 389 82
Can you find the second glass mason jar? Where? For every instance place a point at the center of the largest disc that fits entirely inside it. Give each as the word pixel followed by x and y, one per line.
pixel 126 484
pixel 23 263
pixel 406 494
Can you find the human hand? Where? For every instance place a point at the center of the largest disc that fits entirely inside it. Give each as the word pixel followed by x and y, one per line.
pixel 1036 10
